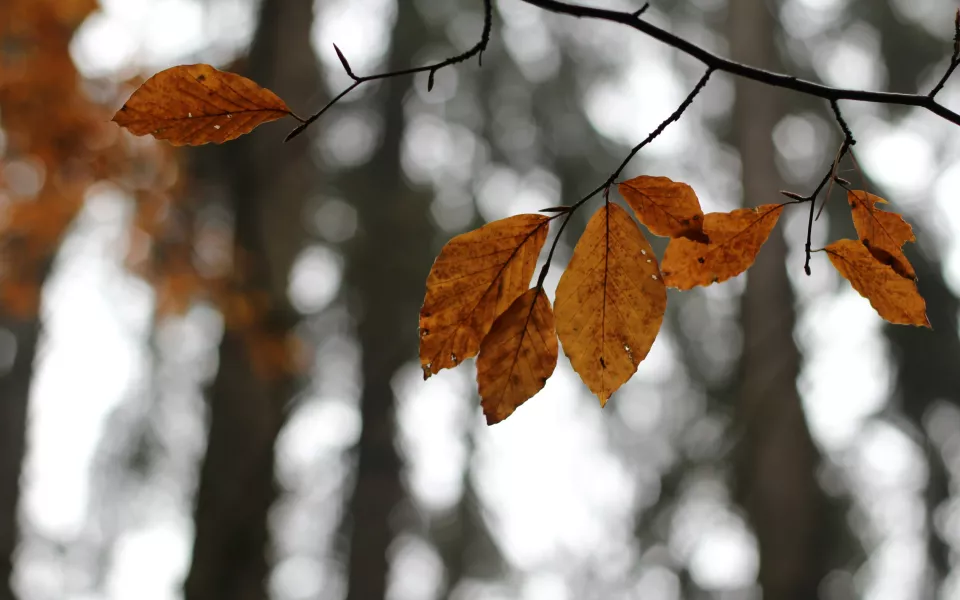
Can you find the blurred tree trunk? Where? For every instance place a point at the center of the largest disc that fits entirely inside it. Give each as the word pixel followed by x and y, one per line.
pixel 928 371
pixel 267 184
pixel 465 543
pixel 388 262
pixel 14 398
pixel 777 460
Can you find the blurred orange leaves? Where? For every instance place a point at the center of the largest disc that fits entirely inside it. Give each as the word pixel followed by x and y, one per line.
pixel 50 157
pixel 198 104
pixel 59 149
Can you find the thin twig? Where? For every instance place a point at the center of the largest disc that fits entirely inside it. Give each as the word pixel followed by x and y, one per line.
pixel 954 59
pixel 831 176
pixel 605 186
pixel 847 134
pixel 812 199
pixel 546 266
pixel 954 63
pixel 476 50
pixel 848 143
pixel 770 78
pixel 671 119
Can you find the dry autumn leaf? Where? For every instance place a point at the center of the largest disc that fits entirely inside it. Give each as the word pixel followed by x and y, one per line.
pixel 667 208
pixel 197 104
pixel 517 356
pixel 476 278
pixel 883 233
pixel 735 241
pixel 610 301
pixel 893 296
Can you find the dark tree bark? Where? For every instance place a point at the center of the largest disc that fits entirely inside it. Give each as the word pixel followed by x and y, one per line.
pixel 14 399
pixel 462 537
pixel 387 266
pixel 266 184
pixel 777 460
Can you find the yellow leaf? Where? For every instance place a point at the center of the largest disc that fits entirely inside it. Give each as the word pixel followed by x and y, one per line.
pixel 197 104
pixel 667 208
pixel 477 277
pixel 883 233
pixel 610 301
pixel 517 356
pixel 893 296
pixel 735 241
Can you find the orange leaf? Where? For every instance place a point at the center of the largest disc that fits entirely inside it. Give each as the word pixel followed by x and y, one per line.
pixel 667 208
pixel 517 356
pixel 735 241
pixel 20 299
pixel 883 233
pixel 610 301
pixel 477 276
pixel 893 296
pixel 196 104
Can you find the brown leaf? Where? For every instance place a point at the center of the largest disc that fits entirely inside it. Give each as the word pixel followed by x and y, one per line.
pixel 667 208
pixel 883 233
pixel 735 241
pixel 477 276
pixel 893 296
pixel 196 104
pixel 610 301
pixel 517 356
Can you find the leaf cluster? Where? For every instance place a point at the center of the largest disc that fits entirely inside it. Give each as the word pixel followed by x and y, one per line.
pixel 611 299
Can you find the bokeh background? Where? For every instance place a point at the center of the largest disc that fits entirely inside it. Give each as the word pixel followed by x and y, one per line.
pixel 208 378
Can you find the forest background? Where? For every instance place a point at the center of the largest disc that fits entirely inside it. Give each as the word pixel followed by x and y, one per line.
pixel 208 376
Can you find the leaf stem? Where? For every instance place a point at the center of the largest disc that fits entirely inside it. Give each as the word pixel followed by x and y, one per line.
pixel 662 126
pixel 812 198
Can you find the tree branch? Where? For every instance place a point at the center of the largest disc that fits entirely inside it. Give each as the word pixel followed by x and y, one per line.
pixel 830 177
pixel 567 212
pixel 476 50
pixel 770 78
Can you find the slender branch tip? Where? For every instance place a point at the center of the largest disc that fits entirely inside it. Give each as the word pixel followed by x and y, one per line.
pixel 343 61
